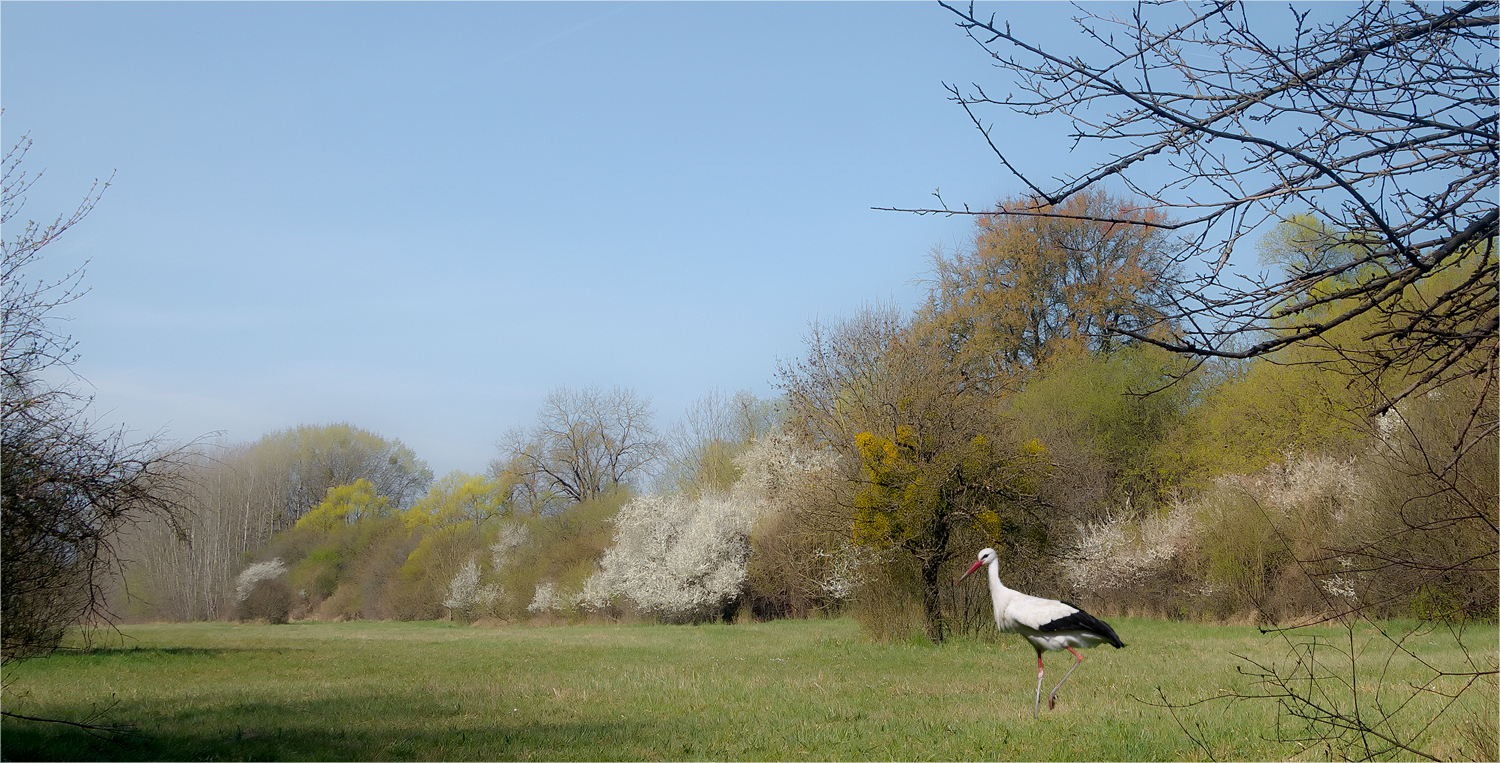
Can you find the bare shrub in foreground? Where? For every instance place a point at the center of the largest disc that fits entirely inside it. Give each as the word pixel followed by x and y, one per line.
pixel 69 488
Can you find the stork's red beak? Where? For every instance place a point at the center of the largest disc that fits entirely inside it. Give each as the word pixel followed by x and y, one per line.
pixel 976 566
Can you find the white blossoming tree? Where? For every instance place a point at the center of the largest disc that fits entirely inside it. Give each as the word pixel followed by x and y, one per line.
pixel 253 575
pixel 466 594
pixel 546 599
pixel 680 559
pixel 776 466
pixel 261 592
pixel 511 537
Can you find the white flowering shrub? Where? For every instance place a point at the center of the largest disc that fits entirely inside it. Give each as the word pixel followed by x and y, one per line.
pixel 776 466
pixel 509 575
pixel 844 565
pixel 466 594
pixel 1303 483
pixel 797 566
pixel 546 599
pixel 1258 526
pixel 252 576
pixel 1121 551
pixel 512 536
pixel 598 593
pixel 1340 586
pixel 1250 546
pixel 677 558
pixel 261 592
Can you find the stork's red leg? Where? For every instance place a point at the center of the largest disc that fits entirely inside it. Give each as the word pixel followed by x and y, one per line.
pixel 1036 711
pixel 1052 698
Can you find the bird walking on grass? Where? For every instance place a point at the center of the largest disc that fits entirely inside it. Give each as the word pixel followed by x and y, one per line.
pixel 1049 625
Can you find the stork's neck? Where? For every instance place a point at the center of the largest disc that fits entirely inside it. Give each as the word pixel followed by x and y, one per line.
pixel 998 592
pixel 1001 597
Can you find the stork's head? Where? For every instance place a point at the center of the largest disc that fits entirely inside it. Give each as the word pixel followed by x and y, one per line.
pixel 986 556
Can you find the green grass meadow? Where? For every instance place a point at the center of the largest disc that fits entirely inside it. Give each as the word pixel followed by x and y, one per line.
pixel 787 690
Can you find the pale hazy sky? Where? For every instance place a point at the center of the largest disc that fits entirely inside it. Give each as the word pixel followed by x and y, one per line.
pixel 422 217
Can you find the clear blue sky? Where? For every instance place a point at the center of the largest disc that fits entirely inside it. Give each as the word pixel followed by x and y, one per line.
pixel 422 217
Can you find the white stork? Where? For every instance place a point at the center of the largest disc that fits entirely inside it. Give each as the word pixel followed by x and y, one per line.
pixel 1049 625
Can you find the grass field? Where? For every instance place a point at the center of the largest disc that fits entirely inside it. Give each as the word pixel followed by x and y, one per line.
pixel 790 690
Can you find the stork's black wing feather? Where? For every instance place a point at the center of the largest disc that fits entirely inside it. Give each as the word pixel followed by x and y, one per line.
pixel 1083 621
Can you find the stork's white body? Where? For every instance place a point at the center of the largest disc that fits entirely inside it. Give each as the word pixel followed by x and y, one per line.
pixel 1049 625
pixel 1043 622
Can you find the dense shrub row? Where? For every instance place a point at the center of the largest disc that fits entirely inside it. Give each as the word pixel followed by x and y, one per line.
pixel 1304 534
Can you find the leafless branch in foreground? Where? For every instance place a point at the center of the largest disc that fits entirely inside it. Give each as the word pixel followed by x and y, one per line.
pixel 1381 125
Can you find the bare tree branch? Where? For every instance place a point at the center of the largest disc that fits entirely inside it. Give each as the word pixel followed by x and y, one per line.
pixel 1381 124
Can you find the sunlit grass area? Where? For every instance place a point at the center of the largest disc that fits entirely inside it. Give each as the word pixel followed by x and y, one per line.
pixel 789 690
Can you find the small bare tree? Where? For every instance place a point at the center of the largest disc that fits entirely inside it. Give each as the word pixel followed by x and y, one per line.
pixel 699 451
pixel 585 443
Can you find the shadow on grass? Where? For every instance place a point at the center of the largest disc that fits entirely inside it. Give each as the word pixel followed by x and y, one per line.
pixel 298 731
pixel 151 652
pixel 177 651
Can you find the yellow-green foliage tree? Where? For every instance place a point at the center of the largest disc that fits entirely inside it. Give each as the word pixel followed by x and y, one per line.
pixel 318 458
pixel 1307 398
pixel 339 554
pixel 1386 364
pixel 346 504
pixel 1304 245
pixel 1317 395
pixel 920 489
pixel 926 457
pixel 1260 413
pixel 1108 422
pixel 458 498
pixel 450 527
